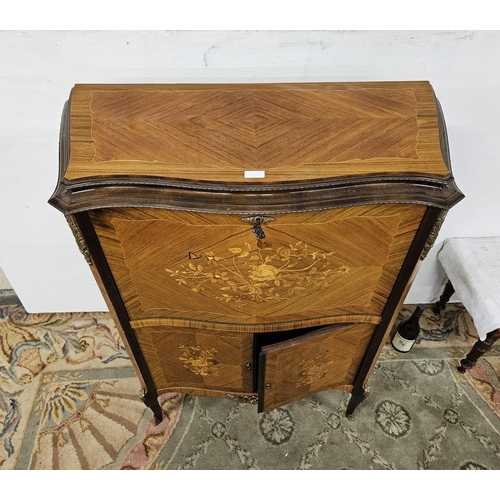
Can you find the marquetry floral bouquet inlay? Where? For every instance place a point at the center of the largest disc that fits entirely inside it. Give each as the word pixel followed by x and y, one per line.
pixel 198 360
pixel 312 370
pixel 259 273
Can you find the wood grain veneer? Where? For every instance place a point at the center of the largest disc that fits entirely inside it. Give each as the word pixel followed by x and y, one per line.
pixel 198 358
pixel 292 131
pixel 323 360
pixel 209 267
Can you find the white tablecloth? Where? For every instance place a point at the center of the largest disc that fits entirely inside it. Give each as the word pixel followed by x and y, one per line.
pixel 473 267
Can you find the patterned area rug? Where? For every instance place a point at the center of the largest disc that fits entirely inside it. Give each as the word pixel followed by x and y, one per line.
pixel 69 400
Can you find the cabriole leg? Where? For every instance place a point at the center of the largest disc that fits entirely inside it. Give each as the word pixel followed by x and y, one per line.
pixel 151 401
pixel 357 397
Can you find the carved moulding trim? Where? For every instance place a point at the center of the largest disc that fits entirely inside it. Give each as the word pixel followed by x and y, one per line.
pixel 433 234
pixel 253 400
pixel 82 246
pixel 74 197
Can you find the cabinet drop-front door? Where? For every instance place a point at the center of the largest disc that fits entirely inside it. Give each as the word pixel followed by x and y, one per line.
pixel 305 268
pixel 325 359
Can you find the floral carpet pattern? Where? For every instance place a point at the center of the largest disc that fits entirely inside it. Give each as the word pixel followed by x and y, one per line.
pixel 69 399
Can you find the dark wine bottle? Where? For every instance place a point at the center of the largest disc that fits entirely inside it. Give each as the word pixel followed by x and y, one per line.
pixel 408 331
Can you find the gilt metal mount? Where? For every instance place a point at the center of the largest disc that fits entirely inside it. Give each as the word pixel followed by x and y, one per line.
pixel 254 219
pixel 433 234
pixel 80 241
pixel 250 399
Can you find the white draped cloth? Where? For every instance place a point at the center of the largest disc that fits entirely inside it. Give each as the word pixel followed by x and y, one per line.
pixel 473 267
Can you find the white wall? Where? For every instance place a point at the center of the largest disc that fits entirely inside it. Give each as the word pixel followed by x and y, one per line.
pixel 38 68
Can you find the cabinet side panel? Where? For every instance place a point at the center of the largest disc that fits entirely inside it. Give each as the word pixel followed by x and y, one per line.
pixel 105 280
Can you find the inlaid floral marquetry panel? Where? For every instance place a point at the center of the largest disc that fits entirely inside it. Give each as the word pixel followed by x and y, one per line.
pixel 312 370
pixel 201 359
pixel 211 267
pixel 260 273
pixel 198 360
pixel 312 363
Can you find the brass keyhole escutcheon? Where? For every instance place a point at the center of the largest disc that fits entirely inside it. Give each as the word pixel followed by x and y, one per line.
pixel 257 230
pixel 257 222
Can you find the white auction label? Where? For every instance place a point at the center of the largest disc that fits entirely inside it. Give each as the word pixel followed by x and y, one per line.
pixel 255 174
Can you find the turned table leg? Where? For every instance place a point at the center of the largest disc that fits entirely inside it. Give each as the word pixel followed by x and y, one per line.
pixel 479 348
pixel 445 297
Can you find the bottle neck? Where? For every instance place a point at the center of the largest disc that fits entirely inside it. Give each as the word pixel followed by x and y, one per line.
pixel 418 312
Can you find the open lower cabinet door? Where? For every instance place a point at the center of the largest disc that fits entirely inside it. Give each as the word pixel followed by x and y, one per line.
pixel 325 359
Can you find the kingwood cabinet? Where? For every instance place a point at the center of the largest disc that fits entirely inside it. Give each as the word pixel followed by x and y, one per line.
pixel 254 241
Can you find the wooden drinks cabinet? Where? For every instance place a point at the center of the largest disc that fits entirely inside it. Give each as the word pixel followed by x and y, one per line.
pixel 254 241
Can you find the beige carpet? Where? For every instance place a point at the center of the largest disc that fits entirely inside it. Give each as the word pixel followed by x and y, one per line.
pixel 69 400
